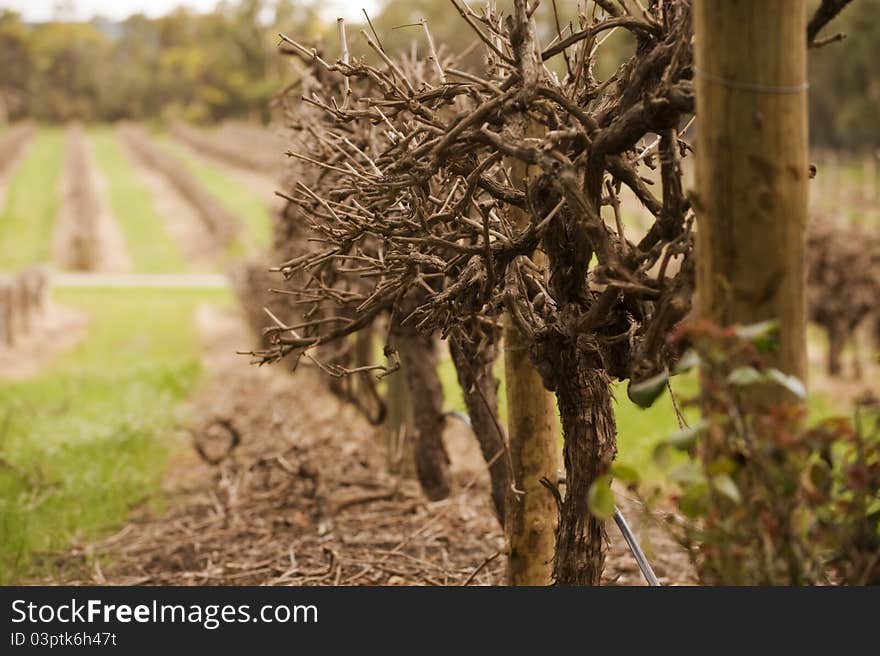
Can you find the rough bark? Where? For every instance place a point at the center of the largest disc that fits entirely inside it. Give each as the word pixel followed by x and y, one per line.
pixel 576 364
pixel 418 356
pixel 473 356
pixel 752 169
pixel 588 426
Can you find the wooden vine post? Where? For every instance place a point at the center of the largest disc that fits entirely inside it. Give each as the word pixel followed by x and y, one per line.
pixel 530 516
pixel 530 524
pixel 531 511
pixel 752 169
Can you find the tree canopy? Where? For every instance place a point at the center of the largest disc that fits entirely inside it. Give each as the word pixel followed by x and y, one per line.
pixel 225 64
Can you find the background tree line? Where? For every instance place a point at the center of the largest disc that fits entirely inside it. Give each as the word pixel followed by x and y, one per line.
pixel 209 67
pixel 200 67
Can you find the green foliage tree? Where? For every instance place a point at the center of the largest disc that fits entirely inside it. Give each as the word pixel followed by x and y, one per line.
pixel 15 64
pixel 845 86
pixel 202 67
pixel 209 67
pixel 65 57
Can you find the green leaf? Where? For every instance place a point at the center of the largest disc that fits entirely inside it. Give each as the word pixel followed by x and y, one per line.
pixel 745 376
pixel 817 478
pixel 690 360
pixel 600 498
pixel 725 485
pixel 722 465
pixel 625 474
pixel 764 335
pixel 686 474
pixel 686 438
pixel 695 500
pixel 645 392
pixel 792 383
pixel 662 454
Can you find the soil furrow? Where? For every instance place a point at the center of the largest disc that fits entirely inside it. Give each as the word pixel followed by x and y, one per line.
pixel 223 227
pixel 243 148
pixel 87 236
pixel 182 221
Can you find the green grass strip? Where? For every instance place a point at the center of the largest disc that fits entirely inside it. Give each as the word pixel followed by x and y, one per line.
pixel 151 248
pixel 27 221
pixel 89 438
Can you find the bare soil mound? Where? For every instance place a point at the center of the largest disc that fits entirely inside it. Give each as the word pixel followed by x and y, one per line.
pixel 222 226
pixel 87 237
pixel 244 147
pixel 182 221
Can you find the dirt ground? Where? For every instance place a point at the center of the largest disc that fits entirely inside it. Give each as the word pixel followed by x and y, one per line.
pixel 114 256
pixel 55 332
pixel 289 490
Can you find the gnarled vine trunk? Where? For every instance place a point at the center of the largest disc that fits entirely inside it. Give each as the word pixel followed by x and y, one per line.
pixel 473 356
pixel 588 426
pixel 418 357
pixel 399 431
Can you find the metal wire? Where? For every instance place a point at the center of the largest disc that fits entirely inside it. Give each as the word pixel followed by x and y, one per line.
pixel 635 549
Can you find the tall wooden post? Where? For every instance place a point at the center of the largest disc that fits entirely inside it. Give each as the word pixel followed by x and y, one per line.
pixel 752 175
pixel 530 515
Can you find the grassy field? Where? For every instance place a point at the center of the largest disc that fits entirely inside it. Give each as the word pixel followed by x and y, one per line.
pixel 841 190
pixel 244 203
pixel 32 199
pixel 89 438
pixel 151 248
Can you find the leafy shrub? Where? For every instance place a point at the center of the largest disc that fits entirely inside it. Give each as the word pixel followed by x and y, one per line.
pixel 761 499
